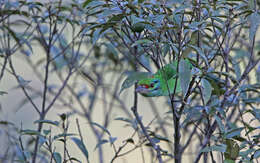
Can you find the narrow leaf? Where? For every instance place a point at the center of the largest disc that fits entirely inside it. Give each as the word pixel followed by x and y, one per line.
pixel 103 141
pixel 206 90
pixel 103 128
pixel 229 161
pixel 55 123
pixel 184 75
pixel 143 41
pixel 23 82
pixel 254 19
pixel 220 148
pixel 257 154
pixel 3 93
pixel 81 146
pixel 57 157
pixel 220 124
pixel 201 53
pixel 30 132
pixel 233 132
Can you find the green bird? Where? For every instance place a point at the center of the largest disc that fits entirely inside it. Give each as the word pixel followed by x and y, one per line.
pixel 162 83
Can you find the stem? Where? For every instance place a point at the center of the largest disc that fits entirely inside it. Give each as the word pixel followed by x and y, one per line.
pixel 139 121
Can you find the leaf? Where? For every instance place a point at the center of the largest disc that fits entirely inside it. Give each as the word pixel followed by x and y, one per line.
pixel 30 132
pixel 57 157
pixel 23 82
pixel 74 159
pixel 220 148
pixel 257 154
pixel 112 139
pixel 184 75
pixel 237 70
pixel 2 93
pixel 130 140
pixel 254 19
pixel 6 123
pixel 103 141
pixel 229 161
pixel 252 100
pixel 233 132
pixel 103 128
pixel 206 90
pixel 86 3
pixel 258 74
pixel 142 41
pixel 55 123
pixel 220 124
pixel 133 78
pixel 42 140
pixel 46 132
pixel 232 151
pixel 63 135
pixel 200 52
pixel 81 146
pixel 96 35
pixel 124 119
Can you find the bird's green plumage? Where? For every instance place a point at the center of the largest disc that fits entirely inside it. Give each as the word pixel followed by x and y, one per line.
pixel 162 83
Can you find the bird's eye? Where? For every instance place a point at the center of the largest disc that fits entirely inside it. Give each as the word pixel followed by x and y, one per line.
pixel 151 85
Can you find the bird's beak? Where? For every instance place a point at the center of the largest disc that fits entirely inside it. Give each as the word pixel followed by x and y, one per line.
pixel 141 89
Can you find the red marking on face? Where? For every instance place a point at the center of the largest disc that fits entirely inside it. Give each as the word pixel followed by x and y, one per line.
pixel 145 85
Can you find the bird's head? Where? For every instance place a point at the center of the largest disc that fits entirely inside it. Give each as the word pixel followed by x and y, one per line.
pixel 149 87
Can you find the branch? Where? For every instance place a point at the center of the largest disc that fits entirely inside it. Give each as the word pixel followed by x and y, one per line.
pixel 139 121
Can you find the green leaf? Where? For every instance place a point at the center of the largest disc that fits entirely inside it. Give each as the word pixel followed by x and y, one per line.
pixel 142 41
pixel 63 135
pixel 2 93
pixel 200 52
pixel 46 132
pixel 74 159
pixel 55 123
pixel 96 35
pixel 258 74
pixel 23 82
pixel 233 132
pixel 112 139
pixel 252 100
pixel 229 161
pixel 138 27
pixel 206 90
pixel 6 123
pixel 257 154
pixel 133 78
pixel 103 141
pixel 232 151
pixel 30 132
pixel 81 146
pixel 254 19
pixel 237 70
pixel 124 119
pixel 251 4
pixel 57 157
pixel 220 148
pixel 220 124
pixel 103 128
pixel 184 75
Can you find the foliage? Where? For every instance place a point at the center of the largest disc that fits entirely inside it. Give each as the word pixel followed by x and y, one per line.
pixel 89 47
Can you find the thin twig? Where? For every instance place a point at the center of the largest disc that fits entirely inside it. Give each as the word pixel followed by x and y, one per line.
pixel 139 121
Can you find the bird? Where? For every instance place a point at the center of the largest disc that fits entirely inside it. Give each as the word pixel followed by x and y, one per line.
pixel 162 83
